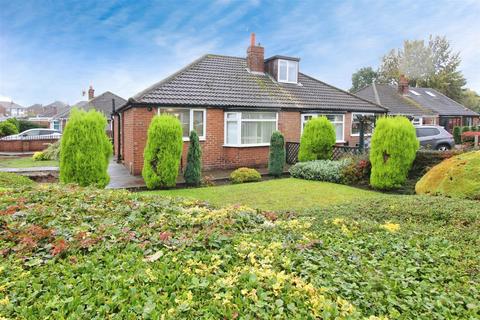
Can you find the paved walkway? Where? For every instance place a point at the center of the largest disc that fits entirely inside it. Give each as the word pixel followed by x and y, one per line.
pixel 31 169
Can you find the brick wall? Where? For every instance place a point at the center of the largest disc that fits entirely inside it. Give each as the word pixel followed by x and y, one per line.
pixel 215 155
pixel 25 145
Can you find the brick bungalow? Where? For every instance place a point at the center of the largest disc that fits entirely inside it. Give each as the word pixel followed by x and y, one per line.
pixel 426 106
pixel 235 104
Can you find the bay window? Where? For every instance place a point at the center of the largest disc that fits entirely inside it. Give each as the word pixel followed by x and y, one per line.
pixel 356 124
pixel 337 120
pixel 190 119
pixel 249 128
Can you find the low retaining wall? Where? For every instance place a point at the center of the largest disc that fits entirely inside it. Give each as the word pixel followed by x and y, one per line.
pixel 25 145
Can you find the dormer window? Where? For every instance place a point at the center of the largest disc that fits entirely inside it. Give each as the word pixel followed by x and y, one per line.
pixel 287 71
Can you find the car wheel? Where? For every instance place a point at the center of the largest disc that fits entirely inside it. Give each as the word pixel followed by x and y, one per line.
pixel 443 147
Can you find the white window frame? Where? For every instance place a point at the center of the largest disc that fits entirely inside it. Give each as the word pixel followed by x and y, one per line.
pixel 351 123
pixel 239 121
pixel 287 62
pixel 316 115
pixel 200 137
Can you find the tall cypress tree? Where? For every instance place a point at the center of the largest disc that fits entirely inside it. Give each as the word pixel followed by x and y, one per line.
pixel 276 159
pixel 193 172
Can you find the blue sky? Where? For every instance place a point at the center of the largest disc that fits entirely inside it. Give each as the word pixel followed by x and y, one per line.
pixel 52 50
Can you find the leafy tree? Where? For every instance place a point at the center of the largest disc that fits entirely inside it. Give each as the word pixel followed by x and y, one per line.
pixel 471 100
pixel 85 149
pixel 15 122
pixel 7 128
pixel 163 152
pixel 362 78
pixel 193 171
pixel 432 65
pixel 317 140
pixel 276 160
pixel 393 149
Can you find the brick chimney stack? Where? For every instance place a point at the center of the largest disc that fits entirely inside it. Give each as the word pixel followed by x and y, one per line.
pixel 255 56
pixel 91 93
pixel 403 85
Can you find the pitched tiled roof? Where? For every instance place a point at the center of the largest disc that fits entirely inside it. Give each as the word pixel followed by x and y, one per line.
pixel 222 81
pixel 102 103
pixel 396 103
pixel 418 101
pixel 440 103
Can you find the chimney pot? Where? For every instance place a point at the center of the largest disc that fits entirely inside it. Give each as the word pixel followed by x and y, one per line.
pixel 91 93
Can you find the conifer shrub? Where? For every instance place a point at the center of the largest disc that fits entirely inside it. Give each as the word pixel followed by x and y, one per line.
pixel 276 160
pixel 85 149
pixel 465 129
pixel 163 152
pixel 193 172
pixel 242 175
pixel 393 149
pixel 457 135
pixel 317 140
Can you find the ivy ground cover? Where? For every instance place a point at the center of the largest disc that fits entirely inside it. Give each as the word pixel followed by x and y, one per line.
pixel 69 252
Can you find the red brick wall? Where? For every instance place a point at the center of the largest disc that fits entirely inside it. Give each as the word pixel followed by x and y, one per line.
pixel 25 145
pixel 215 155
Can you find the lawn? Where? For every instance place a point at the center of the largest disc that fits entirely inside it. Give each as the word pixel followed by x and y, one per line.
pixel 279 194
pixel 25 162
pixel 70 252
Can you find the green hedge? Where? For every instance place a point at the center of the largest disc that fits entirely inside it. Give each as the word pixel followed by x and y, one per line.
pixel 276 159
pixel 457 135
pixel 317 140
pixel 85 149
pixel 7 128
pixel 163 152
pixel 393 148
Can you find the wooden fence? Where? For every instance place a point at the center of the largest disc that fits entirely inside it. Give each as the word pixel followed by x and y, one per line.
pixel 292 149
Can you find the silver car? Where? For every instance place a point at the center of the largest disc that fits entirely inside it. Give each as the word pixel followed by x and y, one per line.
pixel 32 133
pixel 434 137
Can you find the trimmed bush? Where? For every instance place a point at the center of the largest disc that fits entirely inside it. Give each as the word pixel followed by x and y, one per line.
pixel 7 128
pixel 12 180
pixel 457 135
pixel 85 149
pixel 39 156
pixel 320 170
pixel 465 129
pixel 242 175
pixel 163 152
pixel 193 172
pixel 457 177
pixel 276 159
pixel 317 140
pixel 393 149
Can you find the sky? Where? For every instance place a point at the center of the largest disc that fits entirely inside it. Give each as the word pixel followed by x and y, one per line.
pixel 54 50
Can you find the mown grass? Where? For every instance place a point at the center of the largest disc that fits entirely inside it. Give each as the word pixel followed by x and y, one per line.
pixel 69 252
pixel 25 162
pixel 278 194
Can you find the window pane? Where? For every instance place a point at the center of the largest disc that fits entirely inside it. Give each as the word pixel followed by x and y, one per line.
pixel 339 131
pixel 282 73
pixel 232 116
pixel 257 132
pixel 292 71
pixel 198 123
pixel 232 132
pixel 305 120
pixel 259 115
pixel 183 115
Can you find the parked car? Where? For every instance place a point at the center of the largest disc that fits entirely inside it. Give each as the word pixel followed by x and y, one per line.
pixel 434 137
pixel 34 133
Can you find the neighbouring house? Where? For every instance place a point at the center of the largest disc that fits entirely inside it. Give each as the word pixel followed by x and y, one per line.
pixel 423 105
pixel 11 109
pixel 103 103
pixel 235 104
pixel 43 115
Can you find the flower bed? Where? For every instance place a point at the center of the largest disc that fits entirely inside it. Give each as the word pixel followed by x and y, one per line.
pixel 71 252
